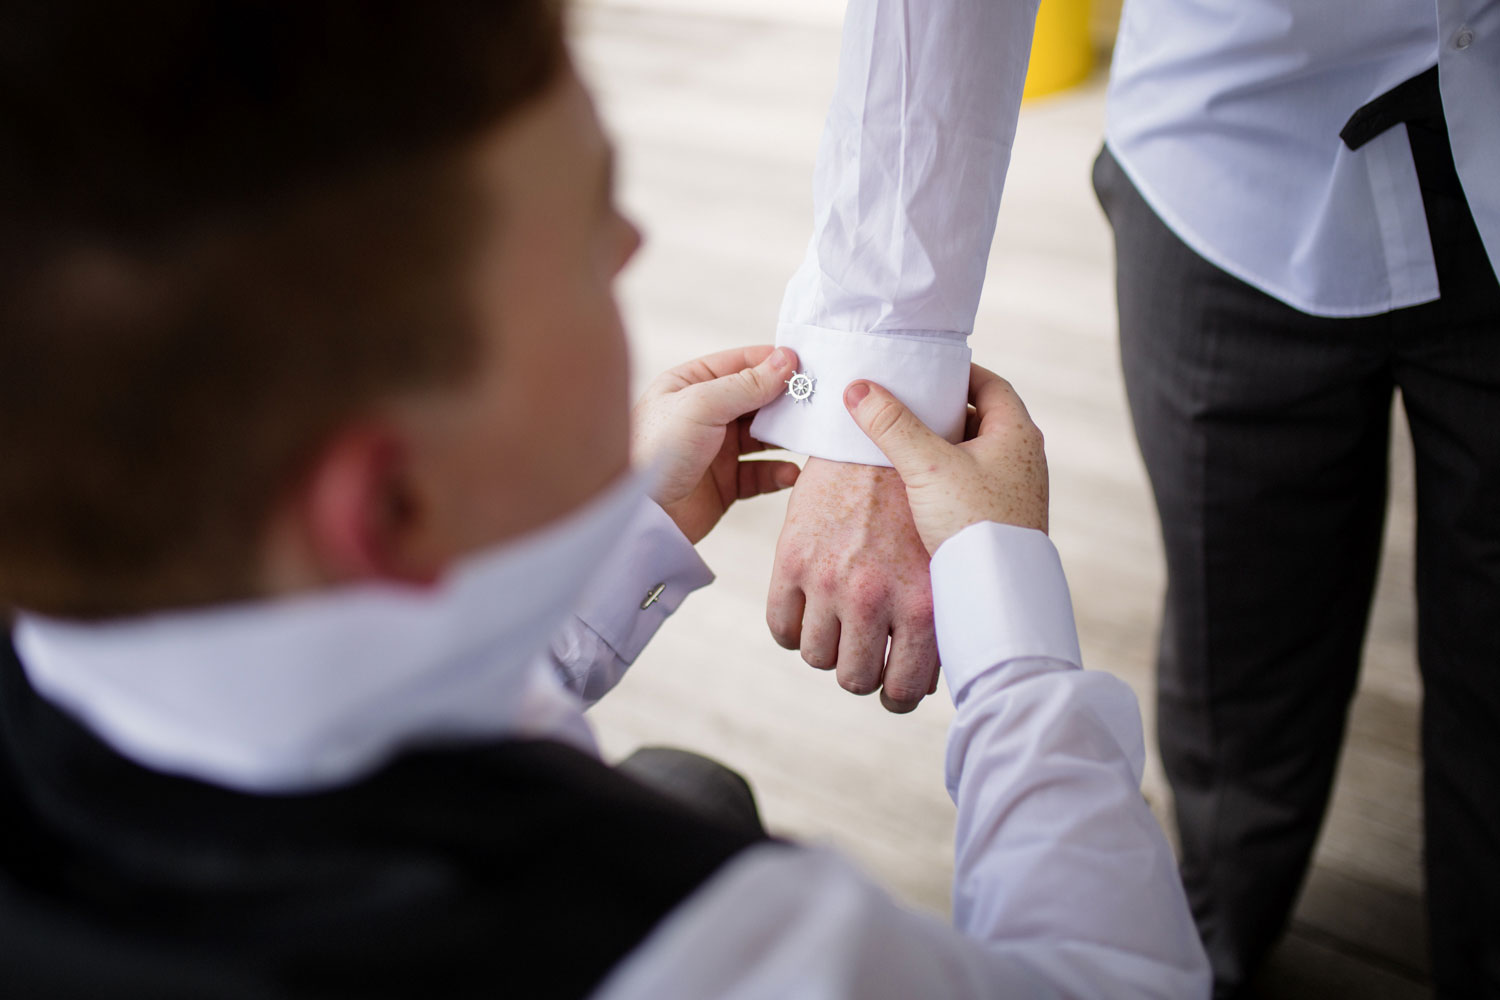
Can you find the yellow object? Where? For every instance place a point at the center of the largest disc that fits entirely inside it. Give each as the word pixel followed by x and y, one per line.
pixel 1062 53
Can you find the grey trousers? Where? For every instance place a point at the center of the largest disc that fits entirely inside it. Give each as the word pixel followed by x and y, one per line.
pixel 1265 432
pixel 701 783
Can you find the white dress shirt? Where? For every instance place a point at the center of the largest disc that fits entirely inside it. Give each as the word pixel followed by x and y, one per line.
pixel 1064 884
pixel 1224 113
pixel 905 191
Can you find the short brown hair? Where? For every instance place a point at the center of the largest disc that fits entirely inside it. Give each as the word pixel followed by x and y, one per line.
pixel 225 227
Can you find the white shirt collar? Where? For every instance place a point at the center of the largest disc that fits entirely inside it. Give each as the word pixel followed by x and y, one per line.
pixel 310 692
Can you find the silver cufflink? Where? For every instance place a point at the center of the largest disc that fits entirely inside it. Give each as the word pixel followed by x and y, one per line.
pixel 653 595
pixel 800 386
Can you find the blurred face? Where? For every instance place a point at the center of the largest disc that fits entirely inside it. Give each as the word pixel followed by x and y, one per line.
pixel 543 424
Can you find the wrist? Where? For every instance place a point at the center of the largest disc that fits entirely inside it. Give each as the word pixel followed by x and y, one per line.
pixel 854 472
pixel 689 525
pixel 857 486
pixel 868 500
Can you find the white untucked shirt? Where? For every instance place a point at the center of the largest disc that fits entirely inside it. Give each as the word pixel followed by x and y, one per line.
pixel 1064 884
pixel 1224 113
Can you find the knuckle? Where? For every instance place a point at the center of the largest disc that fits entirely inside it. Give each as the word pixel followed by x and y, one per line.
pixel 657 387
pixel 689 405
pixel 784 619
pixel 904 691
pixel 867 602
pixel 915 613
pixel 885 418
pixel 785 625
pixel 751 381
pixel 818 659
pixel 898 707
pixel 827 580
pixel 857 685
pixel 791 560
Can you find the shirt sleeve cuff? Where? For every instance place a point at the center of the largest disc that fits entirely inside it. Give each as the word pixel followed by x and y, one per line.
pixel 642 582
pixel 999 595
pixel 929 372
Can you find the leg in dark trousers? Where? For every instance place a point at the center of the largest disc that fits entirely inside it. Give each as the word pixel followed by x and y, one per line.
pixel 1264 432
pixel 1448 369
pixel 1250 766
pixel 699 782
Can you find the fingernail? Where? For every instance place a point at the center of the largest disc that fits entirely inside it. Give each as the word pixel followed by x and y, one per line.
pixel 856 392
pixel 778 358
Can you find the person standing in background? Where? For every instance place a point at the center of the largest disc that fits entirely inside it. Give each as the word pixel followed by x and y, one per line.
pixel 1307 218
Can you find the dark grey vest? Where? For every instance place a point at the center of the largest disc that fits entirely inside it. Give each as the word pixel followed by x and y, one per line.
pixel 517 869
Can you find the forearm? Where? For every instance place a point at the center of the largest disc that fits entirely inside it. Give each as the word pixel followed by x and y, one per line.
pixel 908 181
pixel 644 580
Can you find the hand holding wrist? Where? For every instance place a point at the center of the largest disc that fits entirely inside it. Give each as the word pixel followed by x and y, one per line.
pixel 998 474
pixel 693 423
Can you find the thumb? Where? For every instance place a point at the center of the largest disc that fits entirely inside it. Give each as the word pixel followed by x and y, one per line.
pixel 729 397
pixel 896 431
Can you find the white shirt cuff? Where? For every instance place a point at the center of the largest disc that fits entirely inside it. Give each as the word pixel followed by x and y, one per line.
pixel 642 582
pixel 927 372
pixel 999 595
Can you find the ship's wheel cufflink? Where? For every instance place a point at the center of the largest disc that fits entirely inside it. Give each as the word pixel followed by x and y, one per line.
pixel 801 386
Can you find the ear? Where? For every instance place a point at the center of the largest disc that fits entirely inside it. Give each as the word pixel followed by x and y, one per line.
pixel 361 512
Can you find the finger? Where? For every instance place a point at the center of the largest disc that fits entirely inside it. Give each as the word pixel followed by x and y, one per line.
pixel 995 400
pixel 980 379
pixel 731 396
pixel 896 431
pixel 784 609
pixel 749 445
pixel 757 478
pixel 911 668
pixel 820 637
pixel 712 366
pixel 861 655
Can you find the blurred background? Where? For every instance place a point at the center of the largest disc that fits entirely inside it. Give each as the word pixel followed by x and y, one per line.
pixel 716 106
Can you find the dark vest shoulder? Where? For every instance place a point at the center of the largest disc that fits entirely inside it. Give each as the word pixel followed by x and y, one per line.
pixel 513 869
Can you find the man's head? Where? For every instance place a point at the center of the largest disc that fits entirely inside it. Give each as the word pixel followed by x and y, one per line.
pixel 294 293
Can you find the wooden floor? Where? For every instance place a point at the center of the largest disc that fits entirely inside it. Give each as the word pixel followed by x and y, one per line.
pixel 717 120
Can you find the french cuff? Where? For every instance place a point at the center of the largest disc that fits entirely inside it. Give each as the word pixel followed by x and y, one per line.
pixel 927 372
pixel 999 595
pixel 642 582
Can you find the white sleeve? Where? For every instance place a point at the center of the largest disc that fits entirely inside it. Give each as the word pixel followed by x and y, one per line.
pixel 905 191
pixel 1044 763
pixel 1064 885
pixel 643 581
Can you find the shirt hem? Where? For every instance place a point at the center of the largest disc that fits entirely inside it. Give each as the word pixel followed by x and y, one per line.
pixel 1195 242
